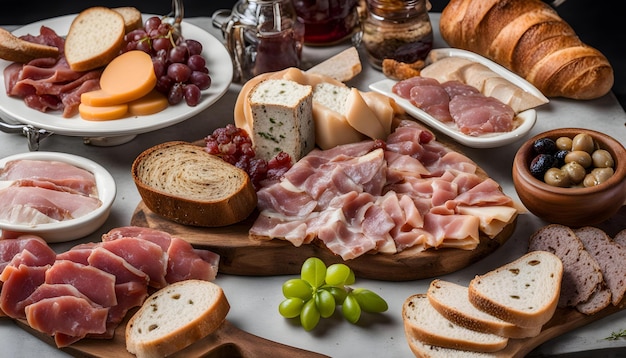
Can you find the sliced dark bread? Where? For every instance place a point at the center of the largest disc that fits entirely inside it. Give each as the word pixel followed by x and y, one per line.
pixel 609 255
pixel 620 238
pixel 581 273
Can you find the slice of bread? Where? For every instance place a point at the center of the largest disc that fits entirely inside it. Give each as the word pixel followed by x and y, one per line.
pixel 14 49
pixel 620 238
pixel 282 118
pixel 175 317
pixel 423 350
pixel 343 66
pixel 181 182
pixel 451 301
pixel 609 255
pixel 95 37
pixel 423 322
pixel 524 292
pixel 582 275
pixel 132 17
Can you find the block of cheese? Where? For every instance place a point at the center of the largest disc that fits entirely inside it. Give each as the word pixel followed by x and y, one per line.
pixel 282 118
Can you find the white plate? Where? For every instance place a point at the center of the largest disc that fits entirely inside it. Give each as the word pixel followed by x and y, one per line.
pixel 75 228
pixel 218 62
pixel 527 118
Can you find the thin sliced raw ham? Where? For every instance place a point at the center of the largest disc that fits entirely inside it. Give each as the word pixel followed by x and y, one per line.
pixel 129 295
pixel 62 174
pixel 94 283
pixel 403 88
pixel 39 251
pixel 17 284
pixel 117 266
pixel 66 316
pixel 433 100
pixel 144 255
pixel 477 114
pixel 451 228
pixel 48 290
pixel 268 225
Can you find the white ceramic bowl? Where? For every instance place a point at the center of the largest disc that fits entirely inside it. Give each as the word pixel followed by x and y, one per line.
pixel 75 228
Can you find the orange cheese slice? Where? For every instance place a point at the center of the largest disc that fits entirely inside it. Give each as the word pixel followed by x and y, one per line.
pixel 103 113
pixel 128 77
pixel 151 103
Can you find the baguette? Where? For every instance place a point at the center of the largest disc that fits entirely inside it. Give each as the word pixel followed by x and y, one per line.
pixel 14 49
pixel 175 317
pixel 524 292
pixel 532 40
pixel 183 183
pixel 95 37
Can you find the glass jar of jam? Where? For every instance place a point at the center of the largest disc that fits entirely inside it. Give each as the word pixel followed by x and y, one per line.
pixel 399 30
pixel 261 36
pixel 327 22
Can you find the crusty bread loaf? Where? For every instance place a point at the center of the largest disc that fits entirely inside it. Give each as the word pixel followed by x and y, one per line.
pixel 524 292
pixel 183 183
pixel 282 118
pixel 529 38
pixel 610 256
pixel 581 274
pixel 14 49
pixel 424 323
pixel 175 317
pixel 451 301
pixel 343 66
pixel 132 17
pixel 95 37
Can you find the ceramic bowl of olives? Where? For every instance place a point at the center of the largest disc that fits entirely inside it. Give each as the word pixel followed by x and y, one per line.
pixel 571 176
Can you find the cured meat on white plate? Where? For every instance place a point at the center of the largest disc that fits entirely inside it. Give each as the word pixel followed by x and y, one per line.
pixel 373 197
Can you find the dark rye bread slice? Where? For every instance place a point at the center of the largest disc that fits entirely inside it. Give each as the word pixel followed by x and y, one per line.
pixel 582 275
pixel 611 258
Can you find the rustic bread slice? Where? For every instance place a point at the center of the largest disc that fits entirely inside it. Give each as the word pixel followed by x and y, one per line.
pixel 451 301
pixel 524 292
pixel 598 301
pixel 282 118
pixel 342 66
pixel 14 49
pixel 581 273
pixel 609 255
pixel 620 238
pixel 175 317
pixel 423 350
pixel 423 322
pixel 183 183
pixel 95 37
pixel 132 17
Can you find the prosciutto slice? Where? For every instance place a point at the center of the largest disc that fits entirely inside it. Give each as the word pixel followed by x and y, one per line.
pixel 404 194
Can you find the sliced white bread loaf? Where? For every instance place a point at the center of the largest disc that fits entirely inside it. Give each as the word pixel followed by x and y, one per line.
pixel 175 317
pixel 451 300
pixel 423 350
pixel 581 273
pixel 95 37
pixel 282 118
pixel 180 181
pixel 524 292
pixel 424 323
pixel 132 17
pixel 610 256
pixel 14 49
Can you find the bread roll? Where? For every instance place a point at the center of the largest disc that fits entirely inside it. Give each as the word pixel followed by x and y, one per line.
pixel 532 40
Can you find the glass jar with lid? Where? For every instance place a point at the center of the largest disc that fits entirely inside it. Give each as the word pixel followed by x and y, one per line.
pixel 398 30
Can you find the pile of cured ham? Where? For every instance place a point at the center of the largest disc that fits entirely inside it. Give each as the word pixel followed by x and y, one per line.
pixel 49 83
pixel 45 191
pixel 88 290
pixel 408 192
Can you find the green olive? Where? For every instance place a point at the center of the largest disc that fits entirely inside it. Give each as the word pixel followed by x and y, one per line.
pixel 602 159
pixel 564 143
pixel 557 177
pixel 583 158
pixel 584 142
pixel 597 176
pixel 575 171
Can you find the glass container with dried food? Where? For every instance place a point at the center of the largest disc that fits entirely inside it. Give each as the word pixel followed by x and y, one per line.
pixel 398 30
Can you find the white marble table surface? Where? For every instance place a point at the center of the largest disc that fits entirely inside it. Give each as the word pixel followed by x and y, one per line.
pixel 254 300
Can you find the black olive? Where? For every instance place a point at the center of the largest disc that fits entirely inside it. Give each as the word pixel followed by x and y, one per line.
pixel 540 165
pixel 560 157
pixel 544 146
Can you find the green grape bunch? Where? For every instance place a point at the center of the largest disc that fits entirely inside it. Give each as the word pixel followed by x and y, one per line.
pixel 320 289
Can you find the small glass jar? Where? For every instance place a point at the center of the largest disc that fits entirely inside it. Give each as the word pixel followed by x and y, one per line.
pixel 399 30
pixel 327 22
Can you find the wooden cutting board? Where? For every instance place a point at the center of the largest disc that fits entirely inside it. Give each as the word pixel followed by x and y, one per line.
pixel 240 255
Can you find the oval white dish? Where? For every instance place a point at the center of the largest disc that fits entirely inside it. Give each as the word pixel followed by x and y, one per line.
pixel 75 228
pixel 526 118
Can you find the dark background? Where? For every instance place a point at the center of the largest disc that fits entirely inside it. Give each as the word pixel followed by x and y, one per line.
pixel 598 23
